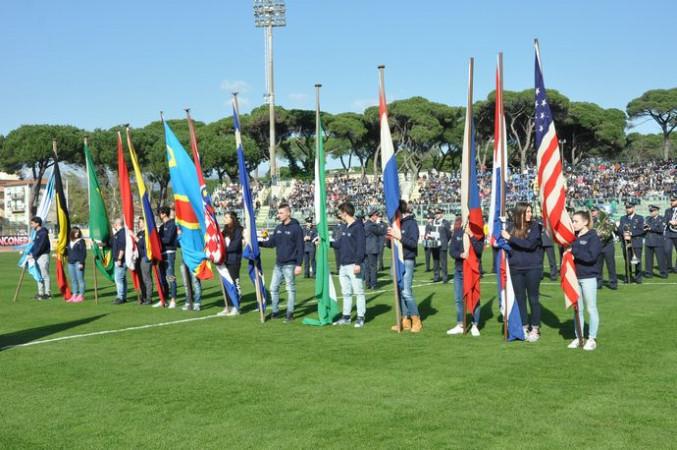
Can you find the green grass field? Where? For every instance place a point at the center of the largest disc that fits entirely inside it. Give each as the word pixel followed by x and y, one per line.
pixel 236 383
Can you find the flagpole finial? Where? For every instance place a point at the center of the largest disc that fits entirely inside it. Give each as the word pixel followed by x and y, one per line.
pixel 318 85
pixel 382 66
pixel 187 110
pixel 85 139
pixel 162 116
pixel 235 93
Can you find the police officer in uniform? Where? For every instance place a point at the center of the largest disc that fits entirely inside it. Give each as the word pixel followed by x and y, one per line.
pixel 605 228
pixel 631 229
pixel 373 231
pixel 427 242
pixel 381 240
pixel 654 242
pixel 442 230
pixel 670 218
pixel 309 239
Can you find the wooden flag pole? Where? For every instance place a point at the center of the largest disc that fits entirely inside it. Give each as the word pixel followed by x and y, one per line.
pixel 259 297
pixel 502 184
pixel 393 267
pixel 21 280
pixel 579 330
pixel 464 208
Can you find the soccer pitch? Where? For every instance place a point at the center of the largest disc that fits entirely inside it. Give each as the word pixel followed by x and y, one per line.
pixel 136 377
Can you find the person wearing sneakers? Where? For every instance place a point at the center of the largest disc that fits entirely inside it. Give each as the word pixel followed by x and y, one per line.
pixel 526 266
pixel 77 255
pixel 287 239
pixel 232 233
pixel 352 247
pixel 457 252
pixel 168 237
pixel 119 242
pixel 407 235
pixel 586 250
pixel 39 255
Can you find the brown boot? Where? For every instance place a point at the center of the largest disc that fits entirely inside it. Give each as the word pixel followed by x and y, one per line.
pixel 406 325
pixel 416 325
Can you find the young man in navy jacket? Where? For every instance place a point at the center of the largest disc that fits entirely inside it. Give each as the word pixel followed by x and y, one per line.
pixel 40 255
pixel 407 235
pixel 168 237
pixel 119 244
pixel 352 246
pixel 287 239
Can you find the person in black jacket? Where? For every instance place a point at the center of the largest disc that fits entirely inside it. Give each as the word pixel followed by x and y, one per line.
pixel 549 250
pixel 352 245
pixel 144 265
pixel 655 243
pixel 373 232
pixel 232 233
pixel 458 252
pixel 287 239
pixel 526 266
pixel 119 244
pixel 586 250
pixel 407 236
pixel 441 229
pixel 309 241
pixel 631 232
pixel 168 237
pixel 381 241
pixel 39 255
pixel 77 255
pixel 670 235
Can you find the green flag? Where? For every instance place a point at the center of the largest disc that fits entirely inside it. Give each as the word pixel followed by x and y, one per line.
pixel 99 227
pixel 325 292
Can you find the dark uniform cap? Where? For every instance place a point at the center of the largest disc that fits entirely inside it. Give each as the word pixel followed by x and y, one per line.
pixel 629 204
pixel 373 212
pixel 653 208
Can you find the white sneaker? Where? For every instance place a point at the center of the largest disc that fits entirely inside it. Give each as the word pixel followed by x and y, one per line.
pixel 233 312
pixel 172 304
pixel 474 331
pixel 574 344
pixel 590 344
pixel 158 305
pixel 458 329
pixel 533 336
pixel 187 307
pixel 222 313
pixel 196 306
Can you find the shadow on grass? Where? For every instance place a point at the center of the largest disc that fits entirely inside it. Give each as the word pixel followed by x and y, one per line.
pixel 486 313
pixel 33 334
pixel 566 328
pixel 426 309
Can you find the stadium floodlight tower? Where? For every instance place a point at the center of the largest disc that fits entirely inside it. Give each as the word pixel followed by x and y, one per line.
pixel 269 14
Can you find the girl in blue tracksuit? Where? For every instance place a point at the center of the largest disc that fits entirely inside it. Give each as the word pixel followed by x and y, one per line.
pixel 586 249
pixel 526 266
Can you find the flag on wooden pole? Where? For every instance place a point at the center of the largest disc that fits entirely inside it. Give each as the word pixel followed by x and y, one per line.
pixel 42 211
pixel 131 252
pixel 63 223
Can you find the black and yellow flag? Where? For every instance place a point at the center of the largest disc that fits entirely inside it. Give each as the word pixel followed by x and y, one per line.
pixel 63 229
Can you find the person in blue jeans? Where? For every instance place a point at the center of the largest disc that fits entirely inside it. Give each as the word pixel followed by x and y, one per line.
pixel 457 252
pixel 407 235
pixel 77 255
pixel 586 250
pixel 119 242
pixel 287 239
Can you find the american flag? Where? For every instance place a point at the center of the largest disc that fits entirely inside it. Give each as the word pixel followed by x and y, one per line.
pixel 551 185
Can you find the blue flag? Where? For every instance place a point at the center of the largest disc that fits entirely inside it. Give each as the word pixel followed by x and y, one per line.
pixel 43 210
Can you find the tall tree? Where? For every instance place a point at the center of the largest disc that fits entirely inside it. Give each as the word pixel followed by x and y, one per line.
pixel 30 147
pixel 590 130
pixel 218 152
pixel 661 106
pixel 349 136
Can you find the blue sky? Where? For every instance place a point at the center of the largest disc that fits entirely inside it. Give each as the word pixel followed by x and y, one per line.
pixel 98 64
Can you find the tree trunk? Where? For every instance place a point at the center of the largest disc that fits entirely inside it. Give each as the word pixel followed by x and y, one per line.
pixel 666 146
pixel 343 164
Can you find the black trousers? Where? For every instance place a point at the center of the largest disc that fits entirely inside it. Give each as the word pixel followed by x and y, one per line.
pixel 550 253
pixel 380 257
pixel 308 263
pixel 440 264
pixel 370 273
pixel 428 255
pixel 669 244
pixel 145 268
pixel 660 258
pixel 608 255
pixel 637 251
pixel 234 272
pixel 525 284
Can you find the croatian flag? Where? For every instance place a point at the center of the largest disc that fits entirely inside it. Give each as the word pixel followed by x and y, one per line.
pixel 551 184
pixel 506 295
pixel 471 209
pixel 251 250
pixel 391 183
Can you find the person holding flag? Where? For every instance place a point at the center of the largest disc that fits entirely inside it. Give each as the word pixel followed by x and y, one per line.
pixel 144 264
pixel 119 246
pixel 39 255
pixel 586 250
pixel 168 238
pixel 352 245
pixel 232 234
pixel 526 266
pixel 407 237
pixel 287 239
pixel 77 255
pixel 459 254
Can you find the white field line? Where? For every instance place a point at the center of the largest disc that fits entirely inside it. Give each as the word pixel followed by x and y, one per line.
pixel 194 319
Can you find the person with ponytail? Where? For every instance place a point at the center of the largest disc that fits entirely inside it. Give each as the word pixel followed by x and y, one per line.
pixel 232 233
pixel 526 266
pixel 586 250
